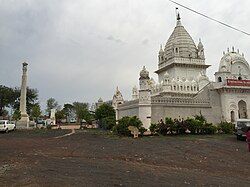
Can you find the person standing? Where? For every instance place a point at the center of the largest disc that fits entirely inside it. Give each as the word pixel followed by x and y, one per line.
pixel 248 138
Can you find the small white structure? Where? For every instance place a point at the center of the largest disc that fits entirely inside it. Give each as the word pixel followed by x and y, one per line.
pixel 53 116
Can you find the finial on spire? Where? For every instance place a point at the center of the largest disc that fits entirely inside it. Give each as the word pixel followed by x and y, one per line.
pixel 228 49
pixel 238 51
pixel 233 48
pixel 161 50
pixel 224 53
pixel 177 14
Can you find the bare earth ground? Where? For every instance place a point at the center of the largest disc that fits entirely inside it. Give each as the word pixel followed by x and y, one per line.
pixel 94 158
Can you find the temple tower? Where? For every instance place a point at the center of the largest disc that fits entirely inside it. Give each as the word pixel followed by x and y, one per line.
pixel 145 98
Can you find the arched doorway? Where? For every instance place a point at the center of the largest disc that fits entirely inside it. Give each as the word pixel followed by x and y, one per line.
pixel 232 116
pixel 242 109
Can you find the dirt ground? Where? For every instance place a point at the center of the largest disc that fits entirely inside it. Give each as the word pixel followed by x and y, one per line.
pixel 95 158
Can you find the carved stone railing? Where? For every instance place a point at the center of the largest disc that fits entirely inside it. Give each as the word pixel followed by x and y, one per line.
pixel 180 101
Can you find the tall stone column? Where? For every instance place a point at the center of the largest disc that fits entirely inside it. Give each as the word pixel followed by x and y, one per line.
pixel 24 121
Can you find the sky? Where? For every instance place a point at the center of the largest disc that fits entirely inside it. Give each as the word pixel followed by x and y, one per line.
pixel 80 50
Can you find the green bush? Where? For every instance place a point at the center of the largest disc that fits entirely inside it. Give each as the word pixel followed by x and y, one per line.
pixel 142 130
pixel 193 125
pixel 122 127
pixel 163 129
pixel 209 128
pixel 108 123
pixel 226 128
pixel 154 128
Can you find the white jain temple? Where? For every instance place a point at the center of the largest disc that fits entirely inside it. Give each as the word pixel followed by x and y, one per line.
pixel 183 88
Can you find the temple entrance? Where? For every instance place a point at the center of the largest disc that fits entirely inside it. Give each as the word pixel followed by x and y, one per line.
pixel 232 116
pixel 242 109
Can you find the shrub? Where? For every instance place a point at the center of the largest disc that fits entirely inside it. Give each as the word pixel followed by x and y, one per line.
pixel 201 118
pixel 209 128
pixel 108 123
pixel 163 129
pixel 193 125
pixel 225 127
pixel 122 127
pixel 142 130
pixel 154 128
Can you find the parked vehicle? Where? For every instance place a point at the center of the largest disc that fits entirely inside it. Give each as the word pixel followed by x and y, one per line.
pixel 72 120
pixel 6 126
pixel 241 126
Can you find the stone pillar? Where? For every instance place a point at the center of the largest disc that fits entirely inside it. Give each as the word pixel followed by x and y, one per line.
pixel 24 121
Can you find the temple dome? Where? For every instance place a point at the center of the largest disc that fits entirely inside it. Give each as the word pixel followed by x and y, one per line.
pixel 230 59
pixel 180 43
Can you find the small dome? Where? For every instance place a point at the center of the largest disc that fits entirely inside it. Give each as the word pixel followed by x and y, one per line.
pixel 144 74
pixel 100 100
pixel 229 59
pixel 200 45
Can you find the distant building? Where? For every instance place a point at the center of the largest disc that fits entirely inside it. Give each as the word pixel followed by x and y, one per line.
pixel 99 103
pixel 184 90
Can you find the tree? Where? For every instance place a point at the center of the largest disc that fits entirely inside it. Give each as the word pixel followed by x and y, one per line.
pixel 122 127
pixel 82 111
pixel 10 97
pixel 16 115
pixel 106 116
pixel 69 111
pixel 31 99
pixel 6 98
pixel 105 110
pixel 36 112
pixel 51 104
pixel 60 114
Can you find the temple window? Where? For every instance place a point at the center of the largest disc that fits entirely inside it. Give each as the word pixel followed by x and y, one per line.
pixel 219 79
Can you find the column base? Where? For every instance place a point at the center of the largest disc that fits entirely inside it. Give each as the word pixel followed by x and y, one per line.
pixel 23 123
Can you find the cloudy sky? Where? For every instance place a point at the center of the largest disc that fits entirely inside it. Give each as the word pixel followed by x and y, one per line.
pixel 80 50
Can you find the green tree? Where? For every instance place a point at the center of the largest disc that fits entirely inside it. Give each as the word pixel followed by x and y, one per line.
pixel 6 98
pixel 82 111
pixel 31 99
pixel 51 104
pixel 122 127
pixel 106 116
pixel 69 110
pixel 36 112
pixel 60 114
pixel 105 110
pixel 10 97
pixel 16 115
